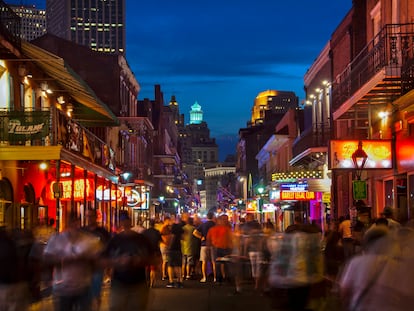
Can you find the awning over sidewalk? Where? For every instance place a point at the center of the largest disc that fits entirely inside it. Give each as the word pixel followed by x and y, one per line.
pixel 91 108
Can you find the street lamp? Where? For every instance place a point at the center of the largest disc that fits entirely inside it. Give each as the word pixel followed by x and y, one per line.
pixel 359 187
pixel 161 200
pixel 359 157
pixel 260 190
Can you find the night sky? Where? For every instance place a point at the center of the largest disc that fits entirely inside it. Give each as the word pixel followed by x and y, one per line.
pixel 222 53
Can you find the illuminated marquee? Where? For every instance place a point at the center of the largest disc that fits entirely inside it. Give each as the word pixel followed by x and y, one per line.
pixel 78 189
pixel 378 151
pixel 297 195
pixel 104 194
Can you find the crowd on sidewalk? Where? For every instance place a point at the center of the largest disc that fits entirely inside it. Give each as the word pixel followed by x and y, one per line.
pixel 351 266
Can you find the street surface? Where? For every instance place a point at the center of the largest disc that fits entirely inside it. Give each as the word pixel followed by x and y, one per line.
pixel 194 296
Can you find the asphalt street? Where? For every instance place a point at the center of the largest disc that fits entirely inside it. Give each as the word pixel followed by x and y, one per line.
pixel 193 296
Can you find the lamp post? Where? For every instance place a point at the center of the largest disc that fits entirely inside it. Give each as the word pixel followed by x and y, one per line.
pixel 359 157
pixel 161 199
pixel 359 187
pixel 260 190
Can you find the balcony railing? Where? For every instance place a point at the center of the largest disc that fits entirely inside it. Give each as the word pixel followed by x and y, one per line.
pixel 389 50
pixel 317 136
pixel 44 128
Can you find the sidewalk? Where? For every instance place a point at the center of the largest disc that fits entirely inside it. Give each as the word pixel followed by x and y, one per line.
pixel 194 296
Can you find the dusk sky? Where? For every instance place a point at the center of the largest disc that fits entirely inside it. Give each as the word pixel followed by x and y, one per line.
pixel 222 53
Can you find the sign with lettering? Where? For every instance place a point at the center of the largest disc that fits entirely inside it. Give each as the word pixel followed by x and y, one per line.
pixel 379 153
pixel 65 192
pixel 297 195
pixel 17 127
pixel 359 189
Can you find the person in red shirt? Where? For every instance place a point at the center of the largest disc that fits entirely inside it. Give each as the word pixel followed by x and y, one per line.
pixel 220 238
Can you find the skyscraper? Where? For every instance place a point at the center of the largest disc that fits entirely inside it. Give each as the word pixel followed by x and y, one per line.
pixel 98 24
pixel 33 21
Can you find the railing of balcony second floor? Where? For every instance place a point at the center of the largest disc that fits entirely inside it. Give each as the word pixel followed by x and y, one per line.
pixel 386 50
pixel 407 70
pixel 9 24
pixel 316 136
pixel 46 128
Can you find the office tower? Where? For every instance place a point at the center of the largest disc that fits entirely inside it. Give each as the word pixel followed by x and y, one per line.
pixel 98 24
pixel 32 21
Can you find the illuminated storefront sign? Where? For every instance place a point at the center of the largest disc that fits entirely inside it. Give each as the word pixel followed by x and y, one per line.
pixel 378 151
pixel 293 187
pixel 136 198
pixel 104 195
pixel 297 195
pixel 78 189
pixel 405 152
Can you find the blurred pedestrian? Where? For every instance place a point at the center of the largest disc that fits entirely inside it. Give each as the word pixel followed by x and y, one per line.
pixel 128 253
pixel 206 255
pixel 220 239
pixel 345 230
pixel 296 264
pixel 14 292
pixel 166 240
pixel 104 236
pixel 154 236
pixel 175 256
pixel 187 247
pixel 365 282
pixel 73 253
pixel 387 213
pixel 254 247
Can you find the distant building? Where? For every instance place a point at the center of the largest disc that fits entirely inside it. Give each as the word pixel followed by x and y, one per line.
pixel 99 25
pixel 268 110
pixel 220 184
pixel 32 21
pixel 278 102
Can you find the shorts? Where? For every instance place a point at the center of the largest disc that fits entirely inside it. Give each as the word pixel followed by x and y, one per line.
pixel 188 260
pixel 207 254
pixel 164 253
pixel 174 258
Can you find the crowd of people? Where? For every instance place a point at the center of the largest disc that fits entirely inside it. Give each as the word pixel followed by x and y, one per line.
pixel 366 266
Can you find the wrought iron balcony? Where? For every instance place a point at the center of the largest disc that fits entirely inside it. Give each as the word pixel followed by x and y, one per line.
pixel 51 128
pixel 317 136
pixel 376 75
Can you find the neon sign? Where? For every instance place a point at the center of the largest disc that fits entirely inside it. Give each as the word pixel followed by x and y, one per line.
pixel 104 194
pixel 378 151
pixel 78 190
pixel 297 195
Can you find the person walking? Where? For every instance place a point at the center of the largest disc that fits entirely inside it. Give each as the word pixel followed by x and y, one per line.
pixel 253 247
pixel 154 236
pixel 345 230
pixel 187 247
pixel 387 213
pixel 220 239
pixel 73 254
pixel 166 240
pixel 13 293
pixel 128 253
pixel 174 256
pixel 104 236
pixel 206 255
pixel 296 264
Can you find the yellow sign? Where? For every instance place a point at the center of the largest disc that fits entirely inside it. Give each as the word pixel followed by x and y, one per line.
pixel 326 197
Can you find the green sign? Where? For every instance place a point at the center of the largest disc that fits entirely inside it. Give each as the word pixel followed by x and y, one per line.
pixel 359 189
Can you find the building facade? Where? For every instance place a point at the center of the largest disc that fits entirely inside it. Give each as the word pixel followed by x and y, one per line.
pixel 51 165
pixel 98 24
pixel 32 21
pixel 371 110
